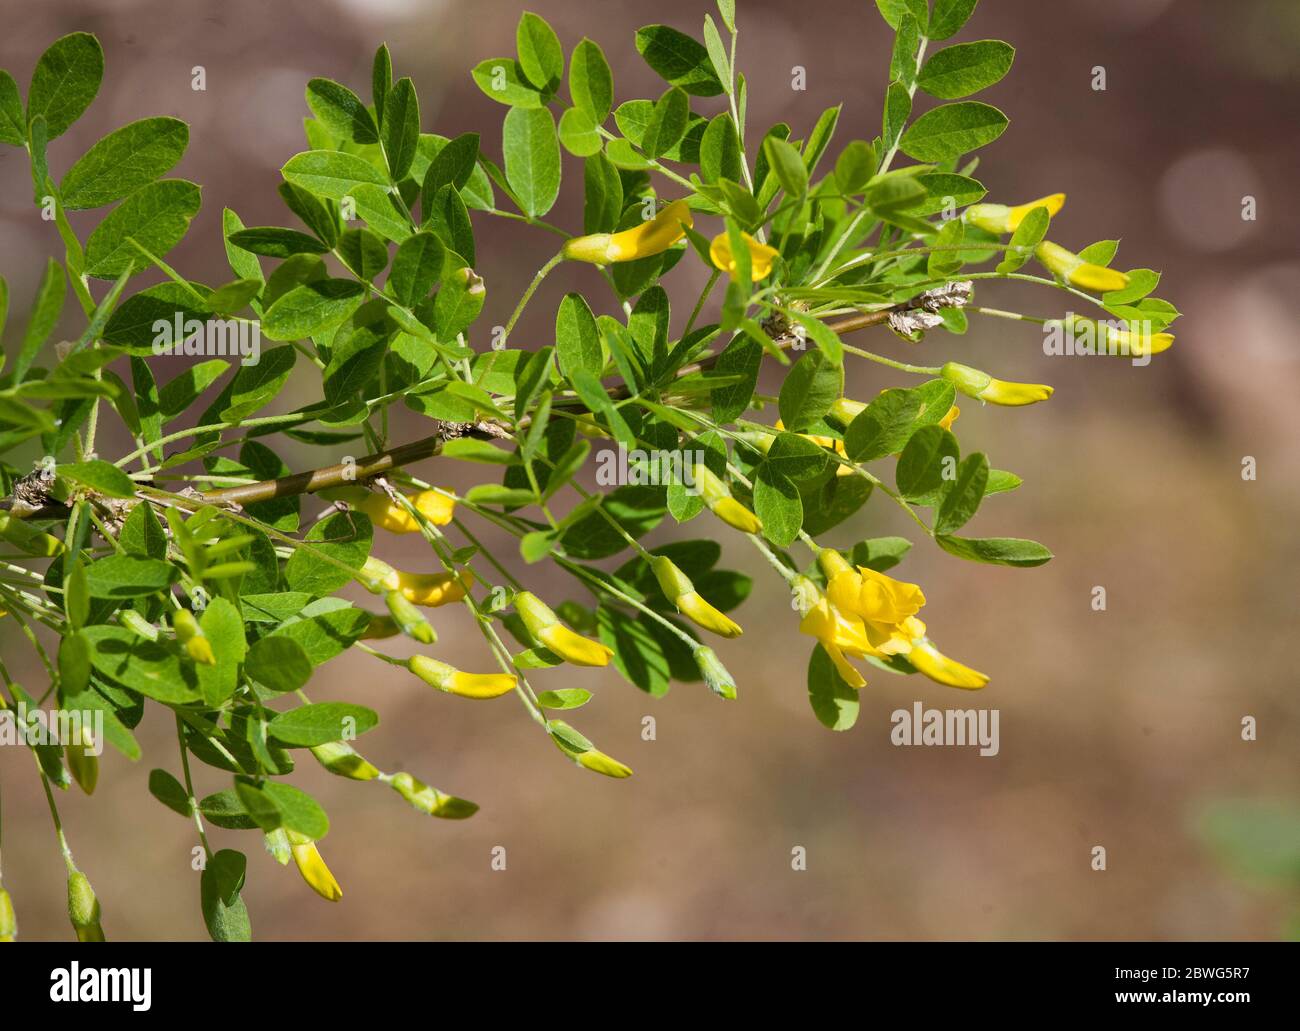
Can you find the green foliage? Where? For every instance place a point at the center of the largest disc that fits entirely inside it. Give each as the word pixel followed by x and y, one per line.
pixel 188 573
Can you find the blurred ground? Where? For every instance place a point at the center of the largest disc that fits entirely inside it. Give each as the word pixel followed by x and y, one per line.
pixel 1115 726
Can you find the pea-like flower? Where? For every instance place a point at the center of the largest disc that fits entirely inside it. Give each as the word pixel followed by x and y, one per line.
pixel 1077 272
pixel 312 867
pixel 547 630
pixel 864 614
pixel 719 501
pixel 190 635
pixel 434 589
pixel 978 384
pixel 453 681
pixel 1001 219
pixel 679 589
pixel 653 236
pixel 761 256
pixel 437 507
pixel 83 908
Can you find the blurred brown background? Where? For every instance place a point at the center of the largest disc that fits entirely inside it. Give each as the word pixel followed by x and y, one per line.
pixel 1115 726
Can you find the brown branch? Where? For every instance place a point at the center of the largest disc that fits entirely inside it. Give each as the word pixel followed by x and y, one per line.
pixel 315 480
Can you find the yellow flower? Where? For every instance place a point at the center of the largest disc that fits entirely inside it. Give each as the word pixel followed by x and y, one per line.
pixel 313 868
pixel 761 256
pixel 651 237
pixel 1000 219
pixel 953 414
pixel 720 502
pixel 453 681
pixel 978 384
pixel 388 515
pixel 681 592
pixel 1077 272
pixel 1111 340
pixel 341 759
pixel 938 667
pixel 868 614
pixel 434 589
pixel 545 627
pixel 599 762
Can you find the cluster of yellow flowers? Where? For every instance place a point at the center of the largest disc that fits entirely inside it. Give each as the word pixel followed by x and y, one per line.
pixel 866 614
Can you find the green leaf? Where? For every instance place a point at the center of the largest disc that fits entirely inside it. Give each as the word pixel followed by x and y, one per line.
pixel 949 131
pixel 223 626
pixel 834 703
pixel 312 308
pixel 1028 235
pixel 65 81
pixel 720 156
pixel 788 166
pixel 942 262
pixel 564 698
pixel 591 83
pixel 142 534
pixel 856 164
pixel 502 79
pixel 678 59
pixel 341 110
pixel 453 166
pixel 129 576
pixel 880 553
pixel 796 457
pixel 74 664
pixel 273 804
pixel 13 124
pixel 100 476
pixel 532 156
pixel 966 68
pixel 946 190
pixel 224 913
pixel 170 792
pixel 577 338
pixel 417 267
pixel 668 121
pixel 255 385
pixel 45 316
pixel 1141 281
pixel 579 134
pixel 540 55
pixel 156 216
pixel 330 173
pixel 778 505
pixel 123 161
pixel 926 459
pixel 325 628
pixel 602 195
pixel 717 51
pixel 400 130
pixel 949 16
pixel 898 108
pixel 811 386
pixel 153 668
pixel 963 495
pixel 336 545
pixel 826 339
pixel 894 11
pixel 310 725
pixel 279 664
pixel 882 428
pixel 448 219
pixel 276 242
pixel 1001 551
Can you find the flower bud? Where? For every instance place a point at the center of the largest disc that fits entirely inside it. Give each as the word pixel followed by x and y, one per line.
pixel 436 507
pixel 434 589
pixel 720 502
pixel 716 676
pixel 546 628
pixel 430 800
pixel 408 618
pixel 677 587
pixel 81 760
pixel 584 753
pixel 653 236
pixel 453 681
pixel 981 385
pixel 1077 272
pixel 1000 219
pixel 761 256
pixel 938 667
pixel 313 868
pixel 83 908
pixel 188 632
pixel 377 576
pixel 8 922
pixel 845 410
pixel 342 760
